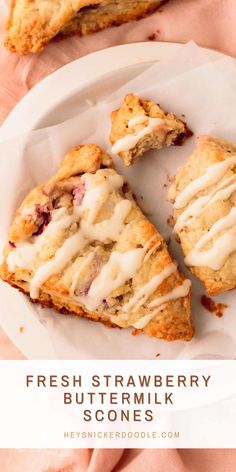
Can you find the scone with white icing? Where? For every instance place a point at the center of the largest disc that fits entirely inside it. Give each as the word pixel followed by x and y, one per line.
pixel 81 245
pixel 140 125
pixel 33 23
pixel 204 197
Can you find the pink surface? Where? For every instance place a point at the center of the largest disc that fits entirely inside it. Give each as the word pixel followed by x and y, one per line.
pixel 116 460
pixel 210 23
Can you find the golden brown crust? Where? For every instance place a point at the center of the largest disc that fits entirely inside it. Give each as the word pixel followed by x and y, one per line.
pixel 210 150
pixel 111 14
pixel 175 325
pixel 80 159
pixel 173 322
pixel 33 23
pixel 172 131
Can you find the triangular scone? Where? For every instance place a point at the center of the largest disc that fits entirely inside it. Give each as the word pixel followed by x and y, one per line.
pixel 108 13
pixel 204 197
pixel 140 125
pixel 33 23
pixel 81 245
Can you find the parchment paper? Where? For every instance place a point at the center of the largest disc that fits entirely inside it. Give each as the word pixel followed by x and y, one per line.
pixel 204 94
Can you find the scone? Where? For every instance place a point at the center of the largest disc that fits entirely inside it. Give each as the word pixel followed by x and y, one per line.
pixel 81 245
pixel 204 197
pixel 140 125
pixel 33 23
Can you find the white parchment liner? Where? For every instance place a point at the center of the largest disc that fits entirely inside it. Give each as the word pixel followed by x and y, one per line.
pixel 205 94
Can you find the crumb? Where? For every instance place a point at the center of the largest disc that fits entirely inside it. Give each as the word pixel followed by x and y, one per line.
pixel 152 37
pixel 183 136
pixel 158 354
pixel 183 115
pixel 90 103
pixel 166 238
pixel 177 238
pixel 136 332
pixel 165 185
pixel 220 307
pixel 125 187
pixel 212 307
pixel 170 220
pixel 170 178
pixel 21 329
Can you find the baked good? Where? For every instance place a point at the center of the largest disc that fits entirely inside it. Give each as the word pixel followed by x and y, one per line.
pixel 33 23
pixel 80 244
pixel 140 125
pixel 204 197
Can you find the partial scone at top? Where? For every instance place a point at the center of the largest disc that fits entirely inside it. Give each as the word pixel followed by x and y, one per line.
pixel 140 125
pixel 81 245
pixel 204 197
pixel 33 23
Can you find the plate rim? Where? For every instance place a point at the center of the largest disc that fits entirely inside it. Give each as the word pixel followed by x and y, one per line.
pixel 125 55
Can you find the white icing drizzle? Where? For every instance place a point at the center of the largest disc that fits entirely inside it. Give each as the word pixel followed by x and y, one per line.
pixel 96 195
pixel 216 256
pixel 151 251
pixel 120 268
pixel 137 120
pixel 148 253
pixel 139 253
pixel 142 295
pixel 84 264
pixel 142 322
pixel 213 174
pixel 67 251
pixel 177 292
pixel 222 192
pixel 110 228
pixel 130 140
pixel 25 254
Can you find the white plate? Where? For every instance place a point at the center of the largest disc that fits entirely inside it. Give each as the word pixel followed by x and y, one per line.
pixel 56 98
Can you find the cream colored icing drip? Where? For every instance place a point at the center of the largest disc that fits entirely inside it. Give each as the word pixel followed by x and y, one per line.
pixel 87 261
pixel 151 251
pixel 96 195
pixel 177 292
pixel 216 256
pixel 213 174
pixel 142 295
pixel 25 254
pixel 110 228
pixel 222 192
pixel 130 140
pixel 139 253
pixel 137 120
pixel 67 251
pixel 120 268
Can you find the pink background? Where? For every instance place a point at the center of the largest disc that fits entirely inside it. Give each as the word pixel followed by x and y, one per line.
pixel 210 23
